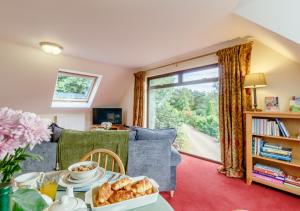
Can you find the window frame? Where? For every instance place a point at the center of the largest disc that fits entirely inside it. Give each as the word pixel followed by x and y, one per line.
pixel 78 103
pixel 180 81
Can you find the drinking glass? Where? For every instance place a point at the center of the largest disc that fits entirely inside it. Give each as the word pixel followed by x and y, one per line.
pixel 47 184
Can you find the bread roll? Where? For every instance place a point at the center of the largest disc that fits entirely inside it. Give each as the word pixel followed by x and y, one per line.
pixel 141 186
pixel 104 192
pixel 121 195
pixel 121 183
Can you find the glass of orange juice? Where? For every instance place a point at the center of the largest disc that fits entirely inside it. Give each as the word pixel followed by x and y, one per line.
pixel 48 184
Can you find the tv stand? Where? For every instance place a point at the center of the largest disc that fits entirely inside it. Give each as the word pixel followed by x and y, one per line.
pixel 113 127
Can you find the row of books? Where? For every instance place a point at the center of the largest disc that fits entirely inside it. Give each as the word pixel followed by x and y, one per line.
pixel 268 173
pixel 269 127
pixel 270 150
pixel 275 175
pixel 292 181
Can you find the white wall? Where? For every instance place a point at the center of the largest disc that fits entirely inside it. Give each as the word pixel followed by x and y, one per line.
pixel 282 75
pixel 28 75
pixel 127 102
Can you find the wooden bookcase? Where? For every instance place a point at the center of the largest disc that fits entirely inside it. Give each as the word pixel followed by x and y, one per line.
pixel 292 123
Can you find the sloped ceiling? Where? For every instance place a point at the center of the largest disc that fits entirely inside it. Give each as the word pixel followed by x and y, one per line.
pixel 27 79
pixel 132 33
pixel 281 17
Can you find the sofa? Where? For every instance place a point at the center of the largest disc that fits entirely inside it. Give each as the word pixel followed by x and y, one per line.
pixel 150 154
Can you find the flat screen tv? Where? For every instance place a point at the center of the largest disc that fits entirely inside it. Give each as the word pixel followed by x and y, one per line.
pixel 113 115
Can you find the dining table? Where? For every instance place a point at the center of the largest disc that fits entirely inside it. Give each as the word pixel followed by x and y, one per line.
pixel 160 205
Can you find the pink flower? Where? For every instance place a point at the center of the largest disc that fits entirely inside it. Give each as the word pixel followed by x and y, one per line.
pixel 19 129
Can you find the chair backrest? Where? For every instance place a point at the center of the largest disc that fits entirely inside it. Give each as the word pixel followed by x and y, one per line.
pixel 110 157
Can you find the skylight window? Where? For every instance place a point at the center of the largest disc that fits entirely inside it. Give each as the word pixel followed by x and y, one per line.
pixel 75 89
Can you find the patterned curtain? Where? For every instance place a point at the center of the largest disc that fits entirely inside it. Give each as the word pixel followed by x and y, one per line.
pixel 234 65
pixel 138 106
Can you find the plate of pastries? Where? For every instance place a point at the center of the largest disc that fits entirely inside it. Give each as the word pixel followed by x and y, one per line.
pixel 123 194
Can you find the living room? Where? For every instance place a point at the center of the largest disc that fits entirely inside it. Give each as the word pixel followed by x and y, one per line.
pixel 193 95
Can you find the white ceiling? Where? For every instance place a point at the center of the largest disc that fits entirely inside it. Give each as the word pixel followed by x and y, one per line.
pixel 282 17
pixel 131 33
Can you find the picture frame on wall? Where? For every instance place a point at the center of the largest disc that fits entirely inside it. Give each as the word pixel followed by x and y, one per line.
pixel 272 104
pixel 295 104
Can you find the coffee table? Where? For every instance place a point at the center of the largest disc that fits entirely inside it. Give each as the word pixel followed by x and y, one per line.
pixel 160 204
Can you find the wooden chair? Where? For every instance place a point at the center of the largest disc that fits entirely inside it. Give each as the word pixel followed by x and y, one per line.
pixel 115 159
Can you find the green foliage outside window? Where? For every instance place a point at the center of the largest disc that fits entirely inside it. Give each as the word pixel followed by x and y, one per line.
pixel 173 107
pixel 71 84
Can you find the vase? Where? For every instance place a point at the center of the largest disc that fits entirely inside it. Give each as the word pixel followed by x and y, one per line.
pixel 5 193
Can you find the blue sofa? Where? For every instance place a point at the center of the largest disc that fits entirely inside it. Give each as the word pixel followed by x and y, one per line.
pixel 150 153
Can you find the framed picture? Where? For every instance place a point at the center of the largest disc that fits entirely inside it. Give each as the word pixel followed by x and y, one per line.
pixel 295 104
pixel 271 104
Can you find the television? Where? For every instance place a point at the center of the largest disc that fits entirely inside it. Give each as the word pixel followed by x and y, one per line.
pixel 113 115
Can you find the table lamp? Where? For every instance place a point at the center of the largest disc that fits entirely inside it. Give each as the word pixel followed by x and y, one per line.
pixel 253 81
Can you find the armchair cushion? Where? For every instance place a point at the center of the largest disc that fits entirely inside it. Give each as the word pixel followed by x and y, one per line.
pixel 150 158
pixel 155 134
pixel 175 157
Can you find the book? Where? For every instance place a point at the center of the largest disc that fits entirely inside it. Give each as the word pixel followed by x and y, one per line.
pixel 285 151
pixel 269 168
pixel 264 171
pixel 269 175
pixel 293 180
pixel 265 127
pixel 275 156
pixel 257 144
pixel 274 146
pixel 284 129
pixel 269 179
pixel 293 183
pixel 272 104
pixel 280 128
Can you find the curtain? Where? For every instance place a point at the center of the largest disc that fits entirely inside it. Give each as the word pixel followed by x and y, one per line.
pixel 234 65
pixel 138 106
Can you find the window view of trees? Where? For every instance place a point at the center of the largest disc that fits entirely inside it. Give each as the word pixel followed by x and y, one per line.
pixel 193 111
pixel 72 86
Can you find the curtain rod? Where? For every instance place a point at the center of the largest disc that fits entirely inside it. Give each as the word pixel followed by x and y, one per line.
pixel 242 41
pixel 184 60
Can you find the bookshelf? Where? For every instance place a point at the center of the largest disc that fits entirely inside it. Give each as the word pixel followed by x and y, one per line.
pixel 292 124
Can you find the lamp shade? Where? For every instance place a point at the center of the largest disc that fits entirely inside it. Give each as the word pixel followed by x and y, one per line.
pixel 255 80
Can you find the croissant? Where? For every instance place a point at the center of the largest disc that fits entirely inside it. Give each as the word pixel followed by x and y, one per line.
pixel 141 186
pixel 104 192
pixel 149 191
pixel 98 203
pixel 121 183
pixel 120 195
pixel 128 187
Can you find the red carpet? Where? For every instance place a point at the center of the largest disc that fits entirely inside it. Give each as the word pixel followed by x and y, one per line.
pixel 201 188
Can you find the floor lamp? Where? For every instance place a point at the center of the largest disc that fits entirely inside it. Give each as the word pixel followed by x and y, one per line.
pixel 253 81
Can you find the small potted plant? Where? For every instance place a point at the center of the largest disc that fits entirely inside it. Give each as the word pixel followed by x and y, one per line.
pixel 19 131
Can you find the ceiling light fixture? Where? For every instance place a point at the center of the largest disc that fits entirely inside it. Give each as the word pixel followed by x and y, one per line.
pixel 51 48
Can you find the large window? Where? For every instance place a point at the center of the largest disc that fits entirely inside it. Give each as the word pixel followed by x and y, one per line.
pixel 75 89
pixel 188 101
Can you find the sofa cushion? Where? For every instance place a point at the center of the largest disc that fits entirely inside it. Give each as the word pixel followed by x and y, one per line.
pixel 155 134
pixel 56 132
pixel 175 157
pixel 48 151
pixel 132 135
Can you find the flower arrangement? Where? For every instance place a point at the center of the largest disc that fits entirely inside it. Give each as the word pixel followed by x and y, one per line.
pixel 18 132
